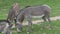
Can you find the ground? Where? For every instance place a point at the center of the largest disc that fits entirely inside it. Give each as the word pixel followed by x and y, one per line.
pixel 5 6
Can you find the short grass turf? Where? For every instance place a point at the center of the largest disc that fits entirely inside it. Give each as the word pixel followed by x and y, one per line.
pixel 5 6
pixel 37 28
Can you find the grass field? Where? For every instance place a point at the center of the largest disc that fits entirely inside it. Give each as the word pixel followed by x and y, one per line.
pixel 38 30
pixel 5 6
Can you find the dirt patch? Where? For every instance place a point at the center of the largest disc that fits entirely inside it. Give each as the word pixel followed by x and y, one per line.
pixel 38 21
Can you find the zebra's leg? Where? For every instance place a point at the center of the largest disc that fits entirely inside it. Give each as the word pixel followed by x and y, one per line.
pixel 19 20
pixel 19 27
pixel 44 18
pixel 50 24
pixel 29 24
pixel 8 31
pixel 15 22
pixel 49 19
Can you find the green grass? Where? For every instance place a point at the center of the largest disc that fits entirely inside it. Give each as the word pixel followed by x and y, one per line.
pixel 5 6
pixel 38 30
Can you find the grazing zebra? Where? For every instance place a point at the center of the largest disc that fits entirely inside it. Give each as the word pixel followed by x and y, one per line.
pixel 43 10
